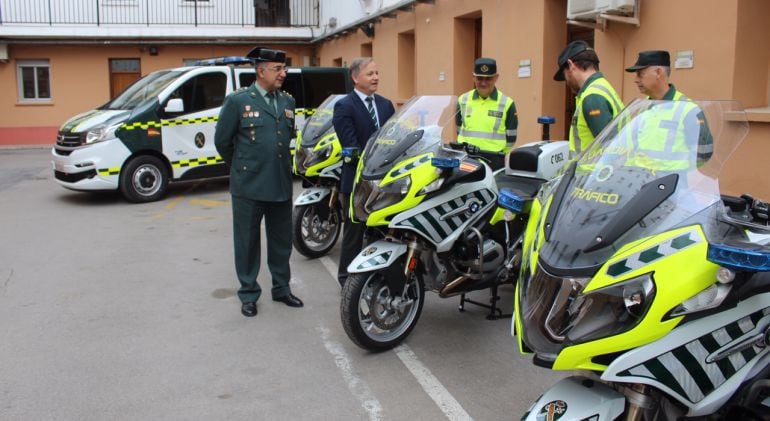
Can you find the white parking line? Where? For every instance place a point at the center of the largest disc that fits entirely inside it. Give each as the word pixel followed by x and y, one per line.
pixel 357 387
pixel 429 383
pixel 445 401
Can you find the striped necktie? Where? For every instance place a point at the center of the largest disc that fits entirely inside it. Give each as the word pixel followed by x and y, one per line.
pixel 370 107
pixel 271 95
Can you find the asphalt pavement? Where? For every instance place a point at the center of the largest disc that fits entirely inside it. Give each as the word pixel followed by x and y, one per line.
pixel 111 310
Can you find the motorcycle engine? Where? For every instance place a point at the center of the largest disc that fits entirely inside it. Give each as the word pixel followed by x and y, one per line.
pixel 468 256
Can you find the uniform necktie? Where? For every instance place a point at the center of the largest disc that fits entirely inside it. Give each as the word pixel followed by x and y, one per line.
pixel 370 107
pixel 271 95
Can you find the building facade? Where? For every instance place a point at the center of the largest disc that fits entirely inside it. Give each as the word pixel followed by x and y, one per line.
pixel 55 64
pixel 428 47
pixel 58 59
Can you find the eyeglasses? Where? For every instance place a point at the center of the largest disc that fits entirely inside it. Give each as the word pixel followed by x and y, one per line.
pixel 278 69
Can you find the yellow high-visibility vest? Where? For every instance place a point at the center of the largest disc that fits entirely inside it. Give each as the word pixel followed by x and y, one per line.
pixel 580 136
pixel 484 121
pixel 660 139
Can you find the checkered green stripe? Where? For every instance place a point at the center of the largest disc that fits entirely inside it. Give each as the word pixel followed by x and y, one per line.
pixel 144 125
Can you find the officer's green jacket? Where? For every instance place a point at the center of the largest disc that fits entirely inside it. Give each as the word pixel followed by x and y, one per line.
pixel 596 104
pixel 253 139
pixel 489 123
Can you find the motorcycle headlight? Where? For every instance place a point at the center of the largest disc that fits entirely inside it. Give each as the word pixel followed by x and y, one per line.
pixel 318 156
pixel 389 194
pixel 101 133
pixel 609 311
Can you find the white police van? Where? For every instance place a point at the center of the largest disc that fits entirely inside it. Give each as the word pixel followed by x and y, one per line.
pixel 161 128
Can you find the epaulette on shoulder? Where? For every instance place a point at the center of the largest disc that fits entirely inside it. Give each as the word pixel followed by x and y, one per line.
pixel 286 93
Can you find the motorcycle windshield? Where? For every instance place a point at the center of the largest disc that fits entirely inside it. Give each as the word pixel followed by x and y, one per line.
pixel 320 123
pixel 655 167
pixel 423 124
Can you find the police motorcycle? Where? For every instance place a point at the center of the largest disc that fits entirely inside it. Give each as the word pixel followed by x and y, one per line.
pixel 435 211
pixel 317 214
pixel 641 275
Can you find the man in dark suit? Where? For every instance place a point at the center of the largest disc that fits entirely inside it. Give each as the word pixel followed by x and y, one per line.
pixel 356 117
pixel 252 135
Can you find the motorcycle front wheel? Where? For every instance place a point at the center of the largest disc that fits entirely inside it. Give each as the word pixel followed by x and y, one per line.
pixel 316 228
pixel 375 316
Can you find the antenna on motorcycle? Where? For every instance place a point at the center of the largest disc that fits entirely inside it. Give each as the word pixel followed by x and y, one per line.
pixel 546 121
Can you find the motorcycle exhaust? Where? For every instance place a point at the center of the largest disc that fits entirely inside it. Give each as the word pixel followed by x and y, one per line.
pixel 448 289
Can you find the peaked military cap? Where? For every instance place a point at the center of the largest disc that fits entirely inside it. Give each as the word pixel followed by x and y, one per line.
pixel 571 50
pixel 651 58
pixel 263 55
pixel 484 67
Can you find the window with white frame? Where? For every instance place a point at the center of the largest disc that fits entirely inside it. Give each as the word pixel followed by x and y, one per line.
pixel 34 79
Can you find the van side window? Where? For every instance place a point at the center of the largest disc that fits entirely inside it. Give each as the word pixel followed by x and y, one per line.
pixel 202 92
pixel 246 79
pixel 318 86
pixel 292 84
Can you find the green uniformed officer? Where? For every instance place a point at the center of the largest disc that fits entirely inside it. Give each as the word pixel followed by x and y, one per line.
pixel 252 135
pixel 486 117
pixel 596 102
pixel 683 121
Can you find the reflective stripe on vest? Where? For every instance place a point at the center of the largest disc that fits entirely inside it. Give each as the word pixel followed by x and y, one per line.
pixel 580 136
pixel 478 128
pixel 660 141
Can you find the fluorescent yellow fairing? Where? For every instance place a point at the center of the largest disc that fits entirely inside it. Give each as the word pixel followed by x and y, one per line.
pixel 681 280
pixel 328 141
pixel 422 174
pixel 534 226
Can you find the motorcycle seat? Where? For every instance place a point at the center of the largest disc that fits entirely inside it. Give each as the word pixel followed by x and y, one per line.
pixel 524 187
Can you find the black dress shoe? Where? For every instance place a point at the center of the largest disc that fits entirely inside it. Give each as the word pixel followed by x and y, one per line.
pixel 249 309
pixel 290 300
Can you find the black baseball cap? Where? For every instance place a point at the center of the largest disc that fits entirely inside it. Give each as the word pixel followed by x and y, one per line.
pixel 651 58
pixel 571 50
pixel 484 67
pixel 264 55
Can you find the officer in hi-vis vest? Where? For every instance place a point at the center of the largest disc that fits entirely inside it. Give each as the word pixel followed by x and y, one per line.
pixel 486 117
pixel 678 134
pixel 596 103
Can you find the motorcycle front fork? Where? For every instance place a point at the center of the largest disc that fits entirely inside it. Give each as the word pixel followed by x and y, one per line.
pixel 639 401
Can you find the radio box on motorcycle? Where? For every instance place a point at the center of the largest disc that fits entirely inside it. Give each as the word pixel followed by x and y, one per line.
pixel 537 160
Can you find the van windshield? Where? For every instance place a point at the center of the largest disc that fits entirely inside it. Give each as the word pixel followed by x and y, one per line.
pixel 138 92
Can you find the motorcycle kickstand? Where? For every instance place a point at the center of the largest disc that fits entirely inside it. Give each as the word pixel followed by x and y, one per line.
pixel 494 312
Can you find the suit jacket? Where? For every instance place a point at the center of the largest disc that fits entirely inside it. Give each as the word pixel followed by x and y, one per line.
pixel 354 127
pixel 253 139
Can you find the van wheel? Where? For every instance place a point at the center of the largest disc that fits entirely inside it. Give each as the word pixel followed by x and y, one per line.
pixel 144 179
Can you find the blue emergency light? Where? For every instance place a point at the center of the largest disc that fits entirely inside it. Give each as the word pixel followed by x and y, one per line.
pixel 510 201
pixel 752 260
pixel 445 163
pixel 219 61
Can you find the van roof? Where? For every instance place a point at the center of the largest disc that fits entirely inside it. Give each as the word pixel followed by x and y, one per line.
pixel 221 61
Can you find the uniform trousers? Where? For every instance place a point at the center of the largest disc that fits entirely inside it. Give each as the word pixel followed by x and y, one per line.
pixel 247 218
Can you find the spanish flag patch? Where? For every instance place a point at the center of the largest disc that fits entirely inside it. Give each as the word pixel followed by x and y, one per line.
pixel 594 113
pixel 466 166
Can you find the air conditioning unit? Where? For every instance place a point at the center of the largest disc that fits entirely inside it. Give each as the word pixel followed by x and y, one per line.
pixel 590 9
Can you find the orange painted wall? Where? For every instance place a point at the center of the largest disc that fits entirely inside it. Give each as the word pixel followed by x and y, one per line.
pixel 728 40
pixel 443 35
